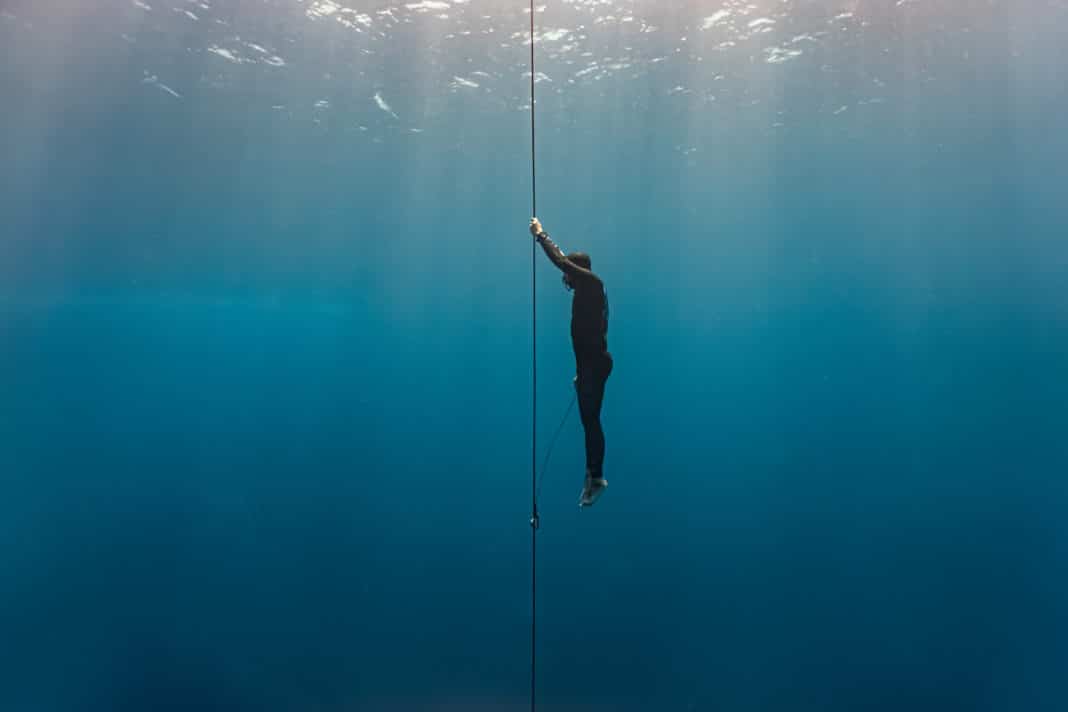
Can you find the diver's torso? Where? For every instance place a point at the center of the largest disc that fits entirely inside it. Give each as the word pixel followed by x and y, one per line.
pixel 589 322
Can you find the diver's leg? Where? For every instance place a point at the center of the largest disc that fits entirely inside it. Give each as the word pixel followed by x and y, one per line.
pixel 590 386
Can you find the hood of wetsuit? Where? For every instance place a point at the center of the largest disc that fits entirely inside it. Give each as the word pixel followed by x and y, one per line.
pixel 580 258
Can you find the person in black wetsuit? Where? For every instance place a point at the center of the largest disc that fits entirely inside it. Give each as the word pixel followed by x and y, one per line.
pixel 593 363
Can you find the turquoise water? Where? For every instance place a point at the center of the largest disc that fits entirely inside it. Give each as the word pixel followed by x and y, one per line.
pixel 265 355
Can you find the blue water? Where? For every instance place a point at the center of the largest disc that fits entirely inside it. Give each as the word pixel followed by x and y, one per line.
pixel 265 356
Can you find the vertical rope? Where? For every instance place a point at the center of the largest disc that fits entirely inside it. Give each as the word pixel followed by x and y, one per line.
pixel 534 381
pixel 533 164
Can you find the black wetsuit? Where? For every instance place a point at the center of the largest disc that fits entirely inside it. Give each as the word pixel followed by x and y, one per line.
pixel 589 338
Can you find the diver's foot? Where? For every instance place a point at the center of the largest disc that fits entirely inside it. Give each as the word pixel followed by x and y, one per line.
pixel 592 490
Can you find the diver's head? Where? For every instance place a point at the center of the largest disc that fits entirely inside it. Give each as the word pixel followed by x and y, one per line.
pixel 580 259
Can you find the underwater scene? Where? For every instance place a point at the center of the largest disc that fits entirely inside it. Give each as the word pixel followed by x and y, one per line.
pixel 287 372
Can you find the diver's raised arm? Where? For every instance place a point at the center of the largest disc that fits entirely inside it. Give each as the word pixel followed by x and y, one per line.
pixel 554 253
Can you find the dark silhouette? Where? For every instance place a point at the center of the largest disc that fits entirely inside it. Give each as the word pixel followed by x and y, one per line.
pixel 593 363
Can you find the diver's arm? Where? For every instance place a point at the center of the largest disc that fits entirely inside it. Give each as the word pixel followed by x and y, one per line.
pixel 556 255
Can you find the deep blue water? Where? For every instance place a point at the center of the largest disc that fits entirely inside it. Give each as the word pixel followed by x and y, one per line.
pixel 265 356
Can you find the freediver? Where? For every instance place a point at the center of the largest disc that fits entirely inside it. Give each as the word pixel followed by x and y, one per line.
pixel 593 362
